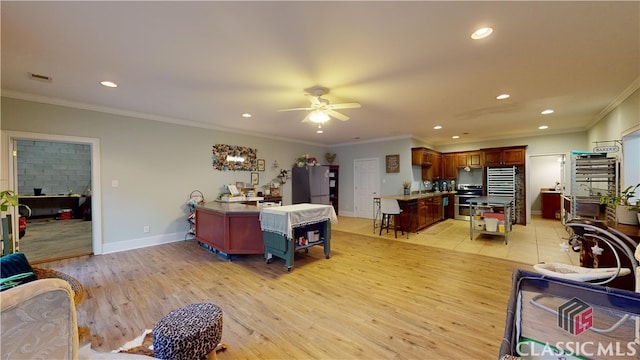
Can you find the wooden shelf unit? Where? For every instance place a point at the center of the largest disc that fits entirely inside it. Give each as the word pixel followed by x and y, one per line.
pixel 334 180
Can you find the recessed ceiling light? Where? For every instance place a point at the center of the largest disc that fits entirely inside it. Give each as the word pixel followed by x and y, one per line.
pixel 109 84
pixel 503 96
pixel 481 33
pixel 437 127
pixel 246 115
pixel 547 112
pixel 543 127
pixel 455 137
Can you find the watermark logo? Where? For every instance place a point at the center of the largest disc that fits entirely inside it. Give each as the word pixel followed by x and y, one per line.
pixel 575 316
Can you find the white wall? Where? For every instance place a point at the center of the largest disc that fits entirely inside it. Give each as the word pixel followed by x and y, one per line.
pixel 624 120
pixel 390 183
pixel 548 170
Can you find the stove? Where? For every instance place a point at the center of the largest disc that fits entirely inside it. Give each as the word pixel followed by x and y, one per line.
pixel 464 193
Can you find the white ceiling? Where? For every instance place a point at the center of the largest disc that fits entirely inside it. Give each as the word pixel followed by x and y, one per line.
pixel 412 65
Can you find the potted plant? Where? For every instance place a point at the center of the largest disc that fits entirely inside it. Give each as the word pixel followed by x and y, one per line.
pixel 627 209
pixel 7 198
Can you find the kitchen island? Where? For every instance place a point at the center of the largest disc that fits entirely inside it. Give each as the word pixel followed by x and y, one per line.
pixel 229 228
pixel 287 229
pixel 421 210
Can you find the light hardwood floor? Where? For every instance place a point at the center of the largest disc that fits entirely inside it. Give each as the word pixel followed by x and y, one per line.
pixel 48 239
pixel 376 298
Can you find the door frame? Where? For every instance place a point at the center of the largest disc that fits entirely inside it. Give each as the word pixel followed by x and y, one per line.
pixel 10 169
pixel 530 192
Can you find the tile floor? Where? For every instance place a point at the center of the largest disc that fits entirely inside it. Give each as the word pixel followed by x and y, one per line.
pixel 536 242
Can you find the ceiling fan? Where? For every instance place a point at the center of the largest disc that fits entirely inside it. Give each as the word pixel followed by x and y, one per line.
pixel 320 109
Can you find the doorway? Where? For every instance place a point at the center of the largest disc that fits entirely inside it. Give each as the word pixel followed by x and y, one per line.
pixel 548 169
pixel 65 219
pixel 366 185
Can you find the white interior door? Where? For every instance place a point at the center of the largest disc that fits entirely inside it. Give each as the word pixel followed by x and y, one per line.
pixel 366 185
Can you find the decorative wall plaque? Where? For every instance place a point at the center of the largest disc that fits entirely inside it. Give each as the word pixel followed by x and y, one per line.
pixel 393 163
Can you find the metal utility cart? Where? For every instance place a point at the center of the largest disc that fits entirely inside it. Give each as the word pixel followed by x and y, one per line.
pixel 287 229
pixel 488 203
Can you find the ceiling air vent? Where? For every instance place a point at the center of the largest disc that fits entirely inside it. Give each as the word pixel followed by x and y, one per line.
pixel 39 77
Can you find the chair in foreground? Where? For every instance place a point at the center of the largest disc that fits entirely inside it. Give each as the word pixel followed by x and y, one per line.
pixel 39 321
pixel 389 208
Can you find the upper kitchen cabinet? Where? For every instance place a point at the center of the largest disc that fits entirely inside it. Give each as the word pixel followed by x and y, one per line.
pixel 434 171
pixel 506 156
pixel 449 169
pixel 417 156
pixel 429 160
pixel 472 159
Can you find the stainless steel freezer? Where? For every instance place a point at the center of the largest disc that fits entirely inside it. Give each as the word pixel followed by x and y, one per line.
pixel 310 184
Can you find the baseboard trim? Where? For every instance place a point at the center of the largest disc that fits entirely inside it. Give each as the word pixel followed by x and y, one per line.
pixel 126 245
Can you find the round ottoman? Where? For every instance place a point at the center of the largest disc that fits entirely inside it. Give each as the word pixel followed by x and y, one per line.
pixel 190 332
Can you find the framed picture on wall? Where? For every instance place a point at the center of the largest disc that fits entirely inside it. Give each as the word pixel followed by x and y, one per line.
pixel 393 163
pixel 260 164
pixel 255 178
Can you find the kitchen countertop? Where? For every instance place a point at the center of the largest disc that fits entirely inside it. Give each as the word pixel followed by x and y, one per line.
pixel 230 208
pixel 418 196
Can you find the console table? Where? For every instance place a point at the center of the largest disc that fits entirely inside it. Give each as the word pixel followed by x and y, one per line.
pixel 284 226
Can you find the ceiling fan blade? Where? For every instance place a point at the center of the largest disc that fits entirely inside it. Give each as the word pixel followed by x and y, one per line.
pixel 306 118
pixel 345 106
pixel 337 115
pixel 315 100
pixel 296 109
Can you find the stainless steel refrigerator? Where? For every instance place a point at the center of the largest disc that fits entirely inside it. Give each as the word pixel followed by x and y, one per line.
pixel 310 184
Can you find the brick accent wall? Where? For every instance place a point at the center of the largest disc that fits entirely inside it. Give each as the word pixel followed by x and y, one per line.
pixel 55 167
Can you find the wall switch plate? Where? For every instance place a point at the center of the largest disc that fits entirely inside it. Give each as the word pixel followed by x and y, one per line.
pixel 114 183
pixel 146 228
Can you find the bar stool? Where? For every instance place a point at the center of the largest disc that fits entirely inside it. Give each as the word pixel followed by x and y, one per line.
pixel 390 207
pixel 376 212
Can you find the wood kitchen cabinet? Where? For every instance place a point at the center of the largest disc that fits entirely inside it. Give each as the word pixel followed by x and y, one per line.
pixel 423 213
pixel 472 159
pixel 429 160
pixel 418 156
pixel 434 170
pixel 419 213
pixel 449 169
pixel 508 156
pixel 550 204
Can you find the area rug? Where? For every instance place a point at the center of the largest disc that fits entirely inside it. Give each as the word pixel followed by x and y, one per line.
pixel 142 345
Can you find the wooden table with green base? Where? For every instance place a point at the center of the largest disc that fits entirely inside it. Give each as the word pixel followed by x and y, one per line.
pixel 287 229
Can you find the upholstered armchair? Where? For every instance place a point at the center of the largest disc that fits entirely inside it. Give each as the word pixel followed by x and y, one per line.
pixel 39 321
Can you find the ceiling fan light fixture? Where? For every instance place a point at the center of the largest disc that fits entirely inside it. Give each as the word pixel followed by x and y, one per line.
pixel 319 117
